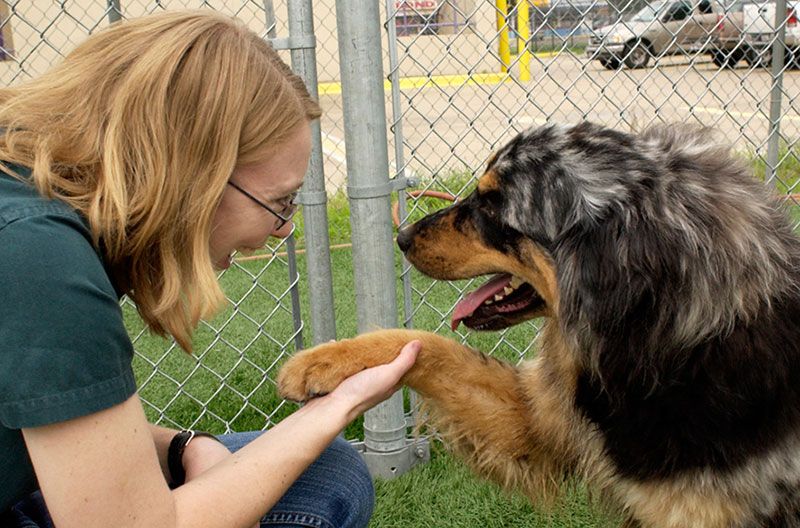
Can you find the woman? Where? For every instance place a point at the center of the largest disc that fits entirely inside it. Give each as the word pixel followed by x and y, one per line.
pixel 137 166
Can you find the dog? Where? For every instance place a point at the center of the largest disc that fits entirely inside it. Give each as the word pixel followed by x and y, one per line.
pixel 668 372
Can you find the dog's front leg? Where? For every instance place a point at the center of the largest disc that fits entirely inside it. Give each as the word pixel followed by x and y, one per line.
pixel 476 402
pixel 445 371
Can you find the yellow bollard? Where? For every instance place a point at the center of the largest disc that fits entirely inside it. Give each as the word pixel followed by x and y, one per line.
pixel 523 44
pixel 504 47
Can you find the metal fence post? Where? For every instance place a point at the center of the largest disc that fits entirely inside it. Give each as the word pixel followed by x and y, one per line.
pixel 269 14
pixel 114 11
pixel 313 195
pixel 294 277
pixel 387 451
pixel 778 53
pixel 402 196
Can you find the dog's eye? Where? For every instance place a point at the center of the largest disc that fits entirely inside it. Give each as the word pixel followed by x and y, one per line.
pixel 491 202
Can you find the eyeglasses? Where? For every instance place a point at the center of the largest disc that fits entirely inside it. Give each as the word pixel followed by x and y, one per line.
pixel 286 213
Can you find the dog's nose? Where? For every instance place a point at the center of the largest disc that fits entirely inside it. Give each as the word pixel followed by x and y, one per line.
pixel 405 237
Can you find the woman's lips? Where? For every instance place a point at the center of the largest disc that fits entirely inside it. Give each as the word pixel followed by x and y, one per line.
pixel 225 263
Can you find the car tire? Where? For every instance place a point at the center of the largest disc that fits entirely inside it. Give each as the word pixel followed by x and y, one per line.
pixel 759 60
pixel 637 54
pixel 611 63
pixel 727 58
pixel 793 59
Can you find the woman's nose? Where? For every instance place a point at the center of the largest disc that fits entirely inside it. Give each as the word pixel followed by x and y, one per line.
pixel 284 230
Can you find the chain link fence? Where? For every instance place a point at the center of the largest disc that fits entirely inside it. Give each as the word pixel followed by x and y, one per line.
pixel 462 77
pixel 621 63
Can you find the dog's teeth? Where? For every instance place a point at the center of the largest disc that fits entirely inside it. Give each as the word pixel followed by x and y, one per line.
pixel 508 289
pixel 498 297
pixel 515 283
pixel 488 301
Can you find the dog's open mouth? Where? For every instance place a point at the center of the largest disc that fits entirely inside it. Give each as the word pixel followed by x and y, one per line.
pixel 503 301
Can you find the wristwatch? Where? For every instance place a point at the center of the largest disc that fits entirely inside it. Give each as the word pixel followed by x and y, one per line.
pixel 175 454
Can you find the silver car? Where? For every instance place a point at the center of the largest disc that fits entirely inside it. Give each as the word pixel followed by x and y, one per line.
pixel 660 28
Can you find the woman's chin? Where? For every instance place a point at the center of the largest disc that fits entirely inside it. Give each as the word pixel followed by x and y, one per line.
pixel 223 263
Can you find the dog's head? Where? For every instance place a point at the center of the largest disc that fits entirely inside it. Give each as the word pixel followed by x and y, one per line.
pixel 653 240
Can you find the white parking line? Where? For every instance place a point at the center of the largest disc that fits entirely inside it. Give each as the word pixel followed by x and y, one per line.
pixel 333 147
pixel 746 115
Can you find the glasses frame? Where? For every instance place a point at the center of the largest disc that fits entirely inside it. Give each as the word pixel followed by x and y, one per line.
pixel 283 217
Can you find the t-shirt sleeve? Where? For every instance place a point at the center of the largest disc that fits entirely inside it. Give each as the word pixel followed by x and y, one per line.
pixel 64 351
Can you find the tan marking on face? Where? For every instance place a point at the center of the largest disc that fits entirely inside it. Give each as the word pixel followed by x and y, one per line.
pixel 537 269
pixel 492 158
pixel 445 252
pixel 489 181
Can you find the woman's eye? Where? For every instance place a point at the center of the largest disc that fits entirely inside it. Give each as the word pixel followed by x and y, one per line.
pixel 288 201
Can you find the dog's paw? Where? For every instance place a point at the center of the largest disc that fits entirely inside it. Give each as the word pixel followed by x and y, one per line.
pixel 315 372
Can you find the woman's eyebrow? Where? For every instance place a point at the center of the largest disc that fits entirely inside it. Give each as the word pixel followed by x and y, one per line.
pixel 294 191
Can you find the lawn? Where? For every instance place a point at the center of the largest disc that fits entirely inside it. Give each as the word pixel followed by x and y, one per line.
pixel 238 353
pixel 222 387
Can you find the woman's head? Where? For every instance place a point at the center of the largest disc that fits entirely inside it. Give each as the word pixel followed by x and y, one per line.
pixel 259 200
pixel 140 129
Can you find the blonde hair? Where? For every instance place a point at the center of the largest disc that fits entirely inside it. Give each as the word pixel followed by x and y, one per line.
pixel 139 129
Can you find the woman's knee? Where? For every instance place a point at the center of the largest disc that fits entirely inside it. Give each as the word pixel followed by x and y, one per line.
pixel 354 491
pixel 336 491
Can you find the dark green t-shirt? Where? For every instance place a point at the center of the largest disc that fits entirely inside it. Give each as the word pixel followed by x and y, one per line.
pixel 64 352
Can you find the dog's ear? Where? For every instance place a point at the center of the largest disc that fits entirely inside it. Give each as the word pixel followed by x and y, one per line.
pixel 620 292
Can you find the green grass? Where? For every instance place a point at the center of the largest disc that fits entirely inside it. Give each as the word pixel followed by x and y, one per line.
pixel 445 494
pixel 785 180
pixel 557 45
pixel 787 173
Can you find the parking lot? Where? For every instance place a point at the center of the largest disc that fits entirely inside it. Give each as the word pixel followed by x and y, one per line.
pixel 454 128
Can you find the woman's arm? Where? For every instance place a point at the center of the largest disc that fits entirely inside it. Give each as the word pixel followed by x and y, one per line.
pixel 103 469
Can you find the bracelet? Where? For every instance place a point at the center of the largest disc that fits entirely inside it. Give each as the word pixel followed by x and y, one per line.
pixel 175 454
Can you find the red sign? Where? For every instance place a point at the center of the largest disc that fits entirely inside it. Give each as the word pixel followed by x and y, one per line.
pixel 416 6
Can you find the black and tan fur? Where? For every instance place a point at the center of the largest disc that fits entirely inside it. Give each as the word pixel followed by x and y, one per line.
pixel 669 371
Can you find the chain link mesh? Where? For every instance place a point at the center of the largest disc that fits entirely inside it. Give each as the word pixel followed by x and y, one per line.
pixel 621 63
pixel 464 84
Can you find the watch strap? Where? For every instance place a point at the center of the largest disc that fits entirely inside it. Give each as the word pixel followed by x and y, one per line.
pixel 175 454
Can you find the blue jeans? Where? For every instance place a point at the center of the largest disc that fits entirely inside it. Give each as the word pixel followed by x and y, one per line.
pixel 334 492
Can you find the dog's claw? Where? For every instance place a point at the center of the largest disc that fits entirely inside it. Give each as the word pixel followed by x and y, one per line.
pixel 313 373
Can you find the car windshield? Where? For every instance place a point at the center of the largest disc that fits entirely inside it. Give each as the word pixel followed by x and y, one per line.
pixel 649 12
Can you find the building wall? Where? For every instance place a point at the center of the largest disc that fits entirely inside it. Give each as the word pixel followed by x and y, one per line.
pixel 41 32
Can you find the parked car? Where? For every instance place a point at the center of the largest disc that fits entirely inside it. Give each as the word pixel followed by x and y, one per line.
pixel 730 46
pixel 661 28
pixel 759 32
pixel 746 31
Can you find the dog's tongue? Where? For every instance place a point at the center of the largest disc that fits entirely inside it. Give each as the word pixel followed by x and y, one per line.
pixel 468 305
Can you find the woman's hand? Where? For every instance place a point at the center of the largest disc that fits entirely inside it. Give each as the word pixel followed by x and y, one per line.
pixel 367 388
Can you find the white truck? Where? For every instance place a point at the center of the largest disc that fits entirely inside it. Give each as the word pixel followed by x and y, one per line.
pixel 759 32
